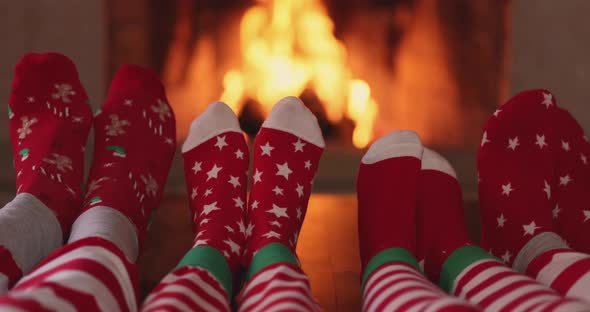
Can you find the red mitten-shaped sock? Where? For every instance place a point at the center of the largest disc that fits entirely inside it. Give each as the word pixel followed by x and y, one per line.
pixel 440 222
pixel 387 187
pixel 571 213
pixel 287 151
pixel 49 123
pixel 516 166
pixel 133 150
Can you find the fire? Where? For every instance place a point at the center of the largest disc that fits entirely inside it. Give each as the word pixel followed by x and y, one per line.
pixel 287 46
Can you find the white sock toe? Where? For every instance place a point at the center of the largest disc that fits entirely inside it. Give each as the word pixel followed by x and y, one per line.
pixel 395 144
pixel 432 160
pixel 291 115
pixel 216 119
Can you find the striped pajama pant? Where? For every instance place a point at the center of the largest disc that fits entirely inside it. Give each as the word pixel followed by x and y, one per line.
pixel 92 274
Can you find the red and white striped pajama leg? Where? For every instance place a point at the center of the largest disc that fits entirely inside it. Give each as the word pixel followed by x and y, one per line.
pixel 278 287
pixel 91 274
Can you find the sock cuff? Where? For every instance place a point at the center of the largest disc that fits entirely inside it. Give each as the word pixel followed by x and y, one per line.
pixel 395 254
pixel 210 259
pixel 457 262
pixel 268 255
pixel 538 245
pixel 110 224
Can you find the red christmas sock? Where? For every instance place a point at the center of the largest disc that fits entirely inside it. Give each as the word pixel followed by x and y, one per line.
pixel 286 153
pixel 516 167
pixel 571 213
pixel 133 150
pixel 440 222
pixel 387 187
pixel 49 123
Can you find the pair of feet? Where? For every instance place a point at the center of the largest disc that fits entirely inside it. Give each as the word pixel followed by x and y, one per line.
pixel 50 118
pixel 408 197
pixel 286 154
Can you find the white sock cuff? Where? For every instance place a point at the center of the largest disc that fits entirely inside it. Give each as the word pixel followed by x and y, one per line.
pixel 110 224
pixel 400 143
pixel 539 244
pixel 29 230
pixel 291 115
pixel 432 160
pixel 218 118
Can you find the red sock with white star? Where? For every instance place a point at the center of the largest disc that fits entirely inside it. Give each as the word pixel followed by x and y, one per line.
pixel 571 213
pixel 49 124
pixel 133 150
pixel 286 151
pixel 515 165
pixel 216 164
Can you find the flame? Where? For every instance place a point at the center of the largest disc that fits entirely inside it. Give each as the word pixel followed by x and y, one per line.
pixel 288 46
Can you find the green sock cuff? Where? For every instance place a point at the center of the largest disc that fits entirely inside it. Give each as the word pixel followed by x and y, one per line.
pixel 211 260
pixel 457 262
pixel 395 254
pixel 268 255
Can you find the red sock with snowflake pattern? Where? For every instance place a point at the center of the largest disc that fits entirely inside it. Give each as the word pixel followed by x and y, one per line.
pixel 133 150
pixel 286 155
pixel 49 123
pixel 571 213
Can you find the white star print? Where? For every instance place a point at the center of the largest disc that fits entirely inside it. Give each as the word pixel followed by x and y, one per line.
pixel 226 254
pixel 276 223
pixel 507 189
pixel 299 213
pixel 197 166
pixel 283 170
pixel 242 227
pixel 278 190
pixel 556 211
pixel 169 141
pixel 501 220
pixel 30 99
pixel 204 221
pixel 128 102
pixel 484 138
pixel 257 176
pixel 278 211
pixel 266 149
pixel 506 256
pixel 235 248
pixel 108 165
pixel 497 112
pixel 208 192
pixel 541 141
pixel 249 229
pixel 565 145
pixel 565 180
pixel 529 229
pixel 77 119
pixel 212 174
pixel 254 205
pixel 513 143
pixel 547 189
pixel 201 242
pixel 272 234
pixel 194 193
pixel 234 181
pixel 220 142
pixel 299 190
pixel 19 173
pixel 586 215
pixel 239 203
pixel 239 154
pixel 229 229
pixel 547 99
pixel 298 145
pixel 307 164
pixel 207 209
pixel 584 159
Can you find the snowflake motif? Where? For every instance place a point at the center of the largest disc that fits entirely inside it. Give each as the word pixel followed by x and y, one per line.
pixel 63 92
pixel 162 110
pixel 116 126
pixel 26 127
pixel 151 186
pixel 61 162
